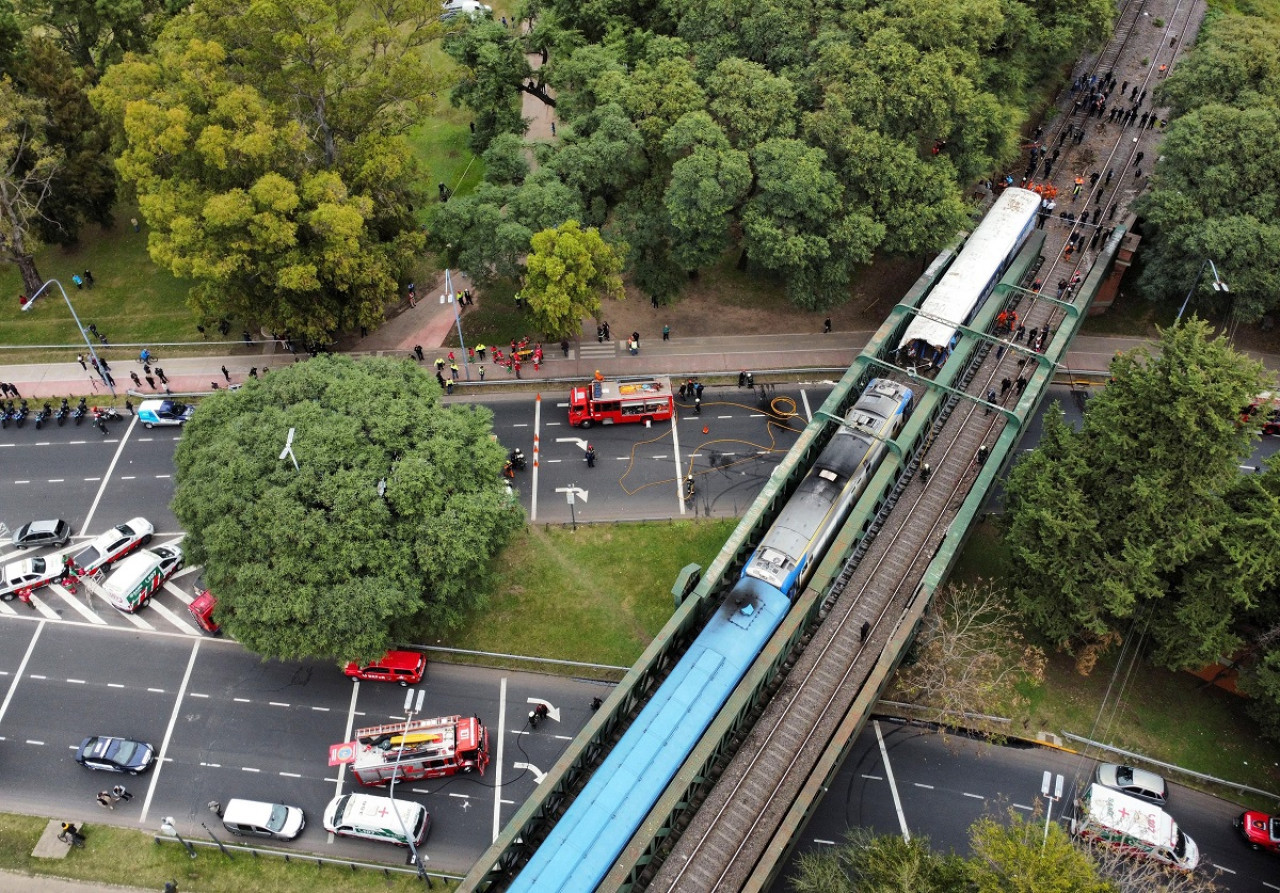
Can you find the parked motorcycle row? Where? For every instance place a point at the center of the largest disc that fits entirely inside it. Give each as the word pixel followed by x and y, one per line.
pixel 20 411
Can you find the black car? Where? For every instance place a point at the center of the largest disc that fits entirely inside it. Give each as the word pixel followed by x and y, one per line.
pixel 108 754
pixel 42 533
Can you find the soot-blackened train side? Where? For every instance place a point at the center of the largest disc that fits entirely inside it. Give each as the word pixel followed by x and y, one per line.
pixel 583 845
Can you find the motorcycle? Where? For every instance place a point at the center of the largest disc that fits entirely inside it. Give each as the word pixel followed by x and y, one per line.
pixel 21 416
pixel 43 416
pixel 63 411
pixel 517 460
pixel 109 414
pixel 80 412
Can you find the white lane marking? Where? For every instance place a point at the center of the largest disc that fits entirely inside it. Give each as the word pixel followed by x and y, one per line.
pixel 173 617
pixel 115 685
pixel 291 774
pixel 129 477
pixel 873 777
pixel 242 700
pixel 1224 868
pixel 164 475
pixel 893 787
pixel 804 398
pixel 22 482
pixel 182 596
pixel 1023 806
pixel 554 424
pixel 557 461
pixel 497 779
pixel 76 681
pixel 537 452
pixel 136 620
pixel 675 440
pixel 17 676
pixel 35 742
pixel 824 842
pixel 102 489
pixel 249 769
pixel 92 479
pixel 521 425
pixel 56 481
pixel 724 416
pixel 199 694
pixel 279 704
pixel 156 691
pixel 168 733
pixel 74 603
pixel 320 709
pixel 927 787
pixel 351 718
pixel 463 796
pixel 44 610
pixel 974 796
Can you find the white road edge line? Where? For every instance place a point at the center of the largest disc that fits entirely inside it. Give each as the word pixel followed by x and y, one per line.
pixel 675 440
pixel 893 786
pixel 351 721
pixel 497 777
pixel 173 721
pixel 26 658
pixel 537 442
pixel 804 398
pixel 102 489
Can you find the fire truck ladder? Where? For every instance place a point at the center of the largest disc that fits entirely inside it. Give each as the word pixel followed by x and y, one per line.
pixel 404 728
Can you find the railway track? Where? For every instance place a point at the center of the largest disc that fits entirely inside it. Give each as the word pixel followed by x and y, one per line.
pixel 723 843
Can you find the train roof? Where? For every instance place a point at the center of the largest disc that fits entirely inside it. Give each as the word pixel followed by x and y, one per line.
pixel 953 297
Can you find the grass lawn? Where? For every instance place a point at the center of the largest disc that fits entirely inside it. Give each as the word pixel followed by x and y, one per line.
pixel 1169 716
pixel 132 301
pixel 120 856
pixel 598 594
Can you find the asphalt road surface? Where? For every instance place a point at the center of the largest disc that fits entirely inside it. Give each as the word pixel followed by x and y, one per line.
pixel 901 778
pixel 226 724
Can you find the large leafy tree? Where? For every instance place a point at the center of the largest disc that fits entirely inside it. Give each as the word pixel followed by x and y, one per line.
pixel 493 69
pixel 879 864
pixel 96 34
pixel 1215 194
pixel 265 143
pixel 29 165
pixel 569 270
pixel 1018 857
pixel 387 524
pixel 1120 516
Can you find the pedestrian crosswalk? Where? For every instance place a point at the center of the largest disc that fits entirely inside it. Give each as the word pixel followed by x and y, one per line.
pixel 598 351
pixel 165 612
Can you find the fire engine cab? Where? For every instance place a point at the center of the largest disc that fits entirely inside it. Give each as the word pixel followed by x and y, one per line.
pixel 613 402
pixel 420 748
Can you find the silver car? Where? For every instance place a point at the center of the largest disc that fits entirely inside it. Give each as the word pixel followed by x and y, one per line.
pixel 1139 783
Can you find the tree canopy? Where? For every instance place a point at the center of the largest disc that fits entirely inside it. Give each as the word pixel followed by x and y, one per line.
pixel 1132 515
pixel 315 561
pixel 799 137
pixel 1215 193
pixel 265 144
pixel 568 271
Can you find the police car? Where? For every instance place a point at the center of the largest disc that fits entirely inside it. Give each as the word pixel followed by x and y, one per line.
pixel 164 412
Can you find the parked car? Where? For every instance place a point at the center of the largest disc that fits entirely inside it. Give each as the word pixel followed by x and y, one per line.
pixel 108 754
pixel 1145 786
pixel 163 412
pixel 1260 831
pixel 261 819
pixel 29 573
pixel 115 543
pixel 405 667
pixel 42 533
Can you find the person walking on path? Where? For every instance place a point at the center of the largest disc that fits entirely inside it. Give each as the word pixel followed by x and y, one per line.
pixel 826 326
pixel 151 382
pixel 104 800
pixel 160 375
pixel 138 381
pixel 80 360
pixel 226 374
pixel 666 333
pixel 591 456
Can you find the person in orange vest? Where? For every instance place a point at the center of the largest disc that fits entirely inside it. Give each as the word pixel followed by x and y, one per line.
pixel 599 377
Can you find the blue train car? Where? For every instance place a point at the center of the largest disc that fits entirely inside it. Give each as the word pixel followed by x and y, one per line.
pixel 583 845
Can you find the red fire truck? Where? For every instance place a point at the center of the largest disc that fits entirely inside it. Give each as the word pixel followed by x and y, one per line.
pixel 420 748
pixel 1267 406
pixel 613 402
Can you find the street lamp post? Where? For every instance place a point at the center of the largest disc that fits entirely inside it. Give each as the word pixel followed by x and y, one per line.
pixel 288 451
pixel 1218 285
pixel 410 708
pixel 457 319
pixel 168 827
pixel 1049 801
pixel 83 334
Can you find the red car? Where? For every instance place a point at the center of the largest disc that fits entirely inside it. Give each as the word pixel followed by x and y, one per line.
pixel 405 667
pixel 1260 831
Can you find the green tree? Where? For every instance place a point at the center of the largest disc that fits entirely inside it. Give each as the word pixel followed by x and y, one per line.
pixel 388 523
pixel 566 274
pixel 85 187
pixel 28 166
pixel 271 166
pixel 867 863
pixel 505 161
pixel 1214 193
pixel 1105 521
pixel 797 226
pixel 1017 857
pixel 493 69
pixel 709 180
pixel 96 34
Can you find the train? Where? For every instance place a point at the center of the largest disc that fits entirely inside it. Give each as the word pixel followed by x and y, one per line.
pixel 584 844
pixel 964 288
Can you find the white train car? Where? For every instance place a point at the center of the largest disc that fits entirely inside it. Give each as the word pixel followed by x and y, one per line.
pixel 965 286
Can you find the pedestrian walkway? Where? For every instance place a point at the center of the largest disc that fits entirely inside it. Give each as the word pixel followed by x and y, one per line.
pixel 13 882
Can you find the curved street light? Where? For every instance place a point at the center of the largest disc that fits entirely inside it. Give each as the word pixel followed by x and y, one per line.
pixel 1218 285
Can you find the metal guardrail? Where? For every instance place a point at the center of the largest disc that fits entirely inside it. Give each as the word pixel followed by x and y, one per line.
pixel 309 859
pixel 1171 766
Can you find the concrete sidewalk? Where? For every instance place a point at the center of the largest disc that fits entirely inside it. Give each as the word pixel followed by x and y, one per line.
pixel 656 357
pixel 13 882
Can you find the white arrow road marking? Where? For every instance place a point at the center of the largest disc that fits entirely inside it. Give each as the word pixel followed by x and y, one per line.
pixel 538 774
pixel 582 444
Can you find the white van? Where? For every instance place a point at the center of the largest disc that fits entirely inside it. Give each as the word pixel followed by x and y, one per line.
pixel 1134 828
pixel 374 818
pixel 263 819
pixel 134 580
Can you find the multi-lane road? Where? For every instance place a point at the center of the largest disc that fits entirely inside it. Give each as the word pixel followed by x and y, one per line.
pixel 231 725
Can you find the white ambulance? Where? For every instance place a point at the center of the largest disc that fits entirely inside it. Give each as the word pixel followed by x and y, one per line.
pixel 1133 827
